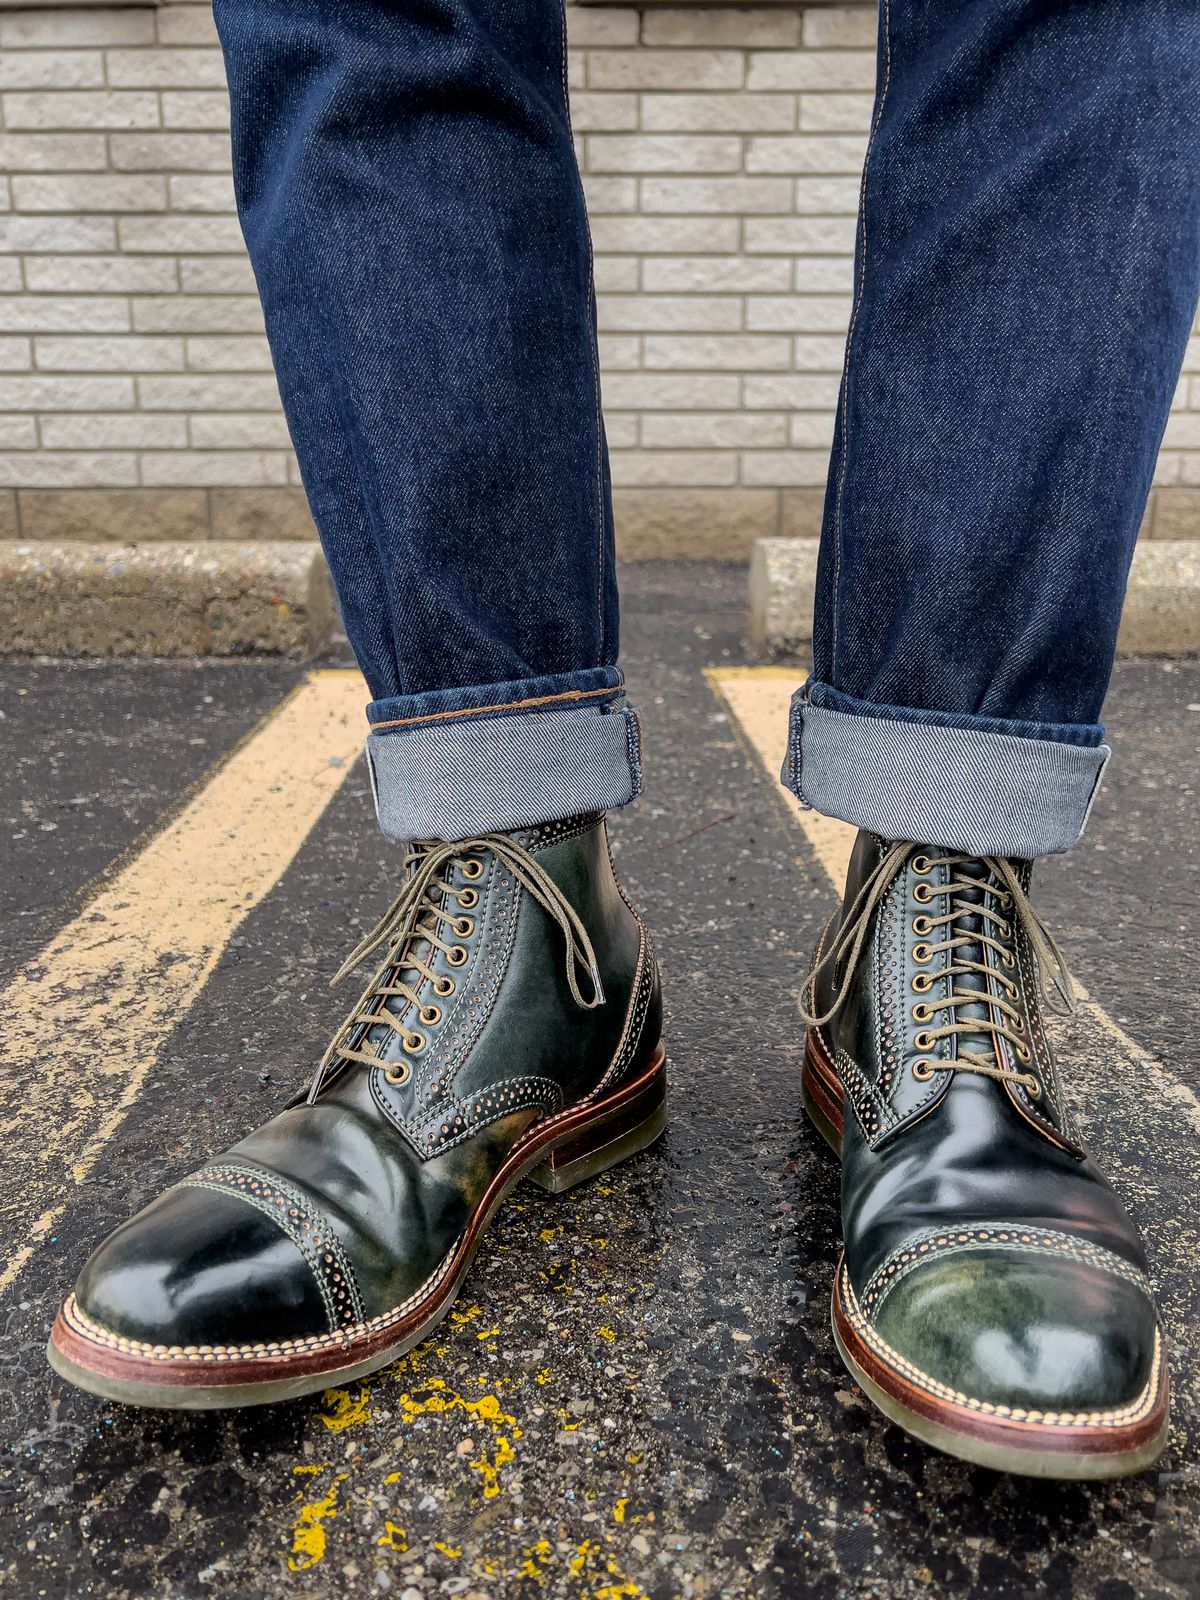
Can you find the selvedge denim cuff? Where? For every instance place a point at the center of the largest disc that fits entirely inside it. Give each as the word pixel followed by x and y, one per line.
pixel 958 783
pixel 501 756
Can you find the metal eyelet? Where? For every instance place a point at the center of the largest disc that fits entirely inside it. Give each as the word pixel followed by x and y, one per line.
pixel 472 868
pixel 415 1043
pixel 923 1069
pixel 1033 1089
pixel 463 927
pixel 1008 961
pixel 921 953
pixel 399 1072
pixel 457 954
pixel 922 893
pixel 923 1040
pixel 468 897
pixel 1024 1053
pixel 444 986
pixel 1005 930
pixel 921 864
pixel 923 981
pixel 430 1015
pixel 922 1012
pixel 922 925
pixel 1018 1024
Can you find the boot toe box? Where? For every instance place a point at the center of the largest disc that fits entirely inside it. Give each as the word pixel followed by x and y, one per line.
pixel 1025 1333
pixel 201 1268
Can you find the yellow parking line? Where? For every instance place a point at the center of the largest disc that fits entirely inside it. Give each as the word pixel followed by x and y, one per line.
pixel 758 698
pixel 85 1022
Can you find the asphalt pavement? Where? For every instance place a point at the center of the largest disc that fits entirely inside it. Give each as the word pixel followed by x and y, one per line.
pixel 637 1397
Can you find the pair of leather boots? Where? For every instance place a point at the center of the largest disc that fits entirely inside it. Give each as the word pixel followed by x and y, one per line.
pixel 992 1295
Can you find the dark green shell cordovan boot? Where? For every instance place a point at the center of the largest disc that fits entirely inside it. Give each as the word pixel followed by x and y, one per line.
pixel 992 1295
pixel 511 1031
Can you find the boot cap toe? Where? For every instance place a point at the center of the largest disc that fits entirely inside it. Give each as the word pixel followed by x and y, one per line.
pixel 196 1267
pixel 1023 1332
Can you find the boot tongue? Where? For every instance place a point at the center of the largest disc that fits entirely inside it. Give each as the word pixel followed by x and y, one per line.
pixel 971 924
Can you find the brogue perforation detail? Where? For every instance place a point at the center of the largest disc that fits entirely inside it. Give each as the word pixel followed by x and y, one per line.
pixel 1042 1054
pixel 456 1120
pixel 874 1114
pixel 293 1212
pixel 549 833
pixel 942 1242
pixel 478 983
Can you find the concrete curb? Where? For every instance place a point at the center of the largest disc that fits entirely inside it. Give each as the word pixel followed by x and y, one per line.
pixel 165 599
pixel 1161 616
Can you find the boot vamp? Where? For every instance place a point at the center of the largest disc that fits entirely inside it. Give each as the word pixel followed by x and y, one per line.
pixel 972 1159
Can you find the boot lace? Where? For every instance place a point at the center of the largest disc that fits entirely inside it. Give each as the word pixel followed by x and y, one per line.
pixel 427 910
pixel 995 899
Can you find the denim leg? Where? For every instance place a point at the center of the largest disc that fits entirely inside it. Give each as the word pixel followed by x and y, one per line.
pixel 410 199
pixel 1026 278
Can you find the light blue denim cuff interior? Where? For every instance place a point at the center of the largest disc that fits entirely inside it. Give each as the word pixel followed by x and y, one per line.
pixel 450 780
pixel 961 788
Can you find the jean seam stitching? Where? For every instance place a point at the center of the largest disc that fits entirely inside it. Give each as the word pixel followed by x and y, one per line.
pixel 506 705
pixel 858 300
pixel 593 354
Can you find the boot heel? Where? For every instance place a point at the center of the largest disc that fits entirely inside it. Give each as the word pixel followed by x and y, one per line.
pixel 629 1120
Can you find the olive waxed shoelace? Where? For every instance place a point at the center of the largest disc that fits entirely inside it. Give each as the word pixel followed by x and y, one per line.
pixel 1010 1023
pixel 419 913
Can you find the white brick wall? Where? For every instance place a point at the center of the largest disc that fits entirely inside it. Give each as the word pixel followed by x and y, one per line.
pixel 720 152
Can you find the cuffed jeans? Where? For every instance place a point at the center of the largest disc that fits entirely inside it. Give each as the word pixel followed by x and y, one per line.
pixel 1026 275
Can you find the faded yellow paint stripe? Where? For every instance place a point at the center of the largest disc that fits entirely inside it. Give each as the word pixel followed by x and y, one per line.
pixel 83 1036
pixel 758 698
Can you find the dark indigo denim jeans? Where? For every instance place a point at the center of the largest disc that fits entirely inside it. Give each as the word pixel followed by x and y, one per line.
pixel 1026 277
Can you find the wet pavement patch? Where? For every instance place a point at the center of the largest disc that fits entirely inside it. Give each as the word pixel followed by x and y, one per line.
pixel 637 1394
